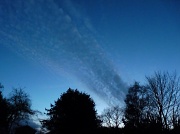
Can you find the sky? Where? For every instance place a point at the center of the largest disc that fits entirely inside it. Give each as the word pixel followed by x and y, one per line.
pixel 99 47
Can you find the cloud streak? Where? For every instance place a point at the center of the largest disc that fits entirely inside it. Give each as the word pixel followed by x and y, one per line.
pixel 53 33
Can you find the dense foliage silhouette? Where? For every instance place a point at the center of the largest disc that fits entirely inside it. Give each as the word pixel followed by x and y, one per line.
pixel 3 113
pixel 73 112
pixel 25 130
pixel 135 103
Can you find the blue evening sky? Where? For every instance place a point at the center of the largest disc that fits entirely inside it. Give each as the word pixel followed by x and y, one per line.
pixel 97 46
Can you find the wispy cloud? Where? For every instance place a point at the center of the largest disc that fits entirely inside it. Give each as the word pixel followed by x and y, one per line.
pixel 57 36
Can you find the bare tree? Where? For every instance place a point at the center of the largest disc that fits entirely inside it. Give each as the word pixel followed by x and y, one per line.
pixel 19 108
pixel 164 90
pixel 112 117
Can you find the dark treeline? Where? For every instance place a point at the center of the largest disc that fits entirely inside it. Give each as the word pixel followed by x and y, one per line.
pixel 153 107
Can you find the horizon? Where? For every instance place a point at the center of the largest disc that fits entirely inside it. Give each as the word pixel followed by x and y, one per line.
pixel 98 47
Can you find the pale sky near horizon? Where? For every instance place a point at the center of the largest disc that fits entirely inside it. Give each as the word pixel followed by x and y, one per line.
pixel 97 46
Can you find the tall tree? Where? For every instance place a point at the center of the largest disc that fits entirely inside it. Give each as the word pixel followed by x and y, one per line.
pixel 136 102
pixel 14 109
pixel 74 112
pixel 164 89
pixel 19 106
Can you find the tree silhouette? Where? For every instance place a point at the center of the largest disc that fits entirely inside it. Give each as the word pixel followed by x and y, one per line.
pixel 136 101
pixel 154 107
pixel 3 113
pixel 13 109
pixel 19 108
pixel 73 112
pixel 164 90
pixel 112 117
pixel 25 130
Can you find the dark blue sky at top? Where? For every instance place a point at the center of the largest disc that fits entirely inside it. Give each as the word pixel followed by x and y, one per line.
pixel 139 35
pixel 97 46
